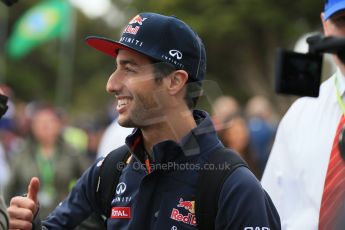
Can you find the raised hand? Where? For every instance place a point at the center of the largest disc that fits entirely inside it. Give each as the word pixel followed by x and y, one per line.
pixel 22 210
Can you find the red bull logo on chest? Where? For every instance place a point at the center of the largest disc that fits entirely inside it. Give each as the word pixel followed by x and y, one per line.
pixel 178 215
pixel 188 205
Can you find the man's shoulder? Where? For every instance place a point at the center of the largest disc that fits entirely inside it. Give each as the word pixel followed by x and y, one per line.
pixel 243 195
pixel 242 188
pixel 242 179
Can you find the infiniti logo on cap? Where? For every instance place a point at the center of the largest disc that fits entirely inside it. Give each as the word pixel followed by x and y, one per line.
pixel 175 53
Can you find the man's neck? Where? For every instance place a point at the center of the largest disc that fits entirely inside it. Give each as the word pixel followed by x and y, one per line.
pixel 174 128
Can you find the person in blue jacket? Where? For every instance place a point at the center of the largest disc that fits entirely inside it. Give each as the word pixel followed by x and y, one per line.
pixel 160 65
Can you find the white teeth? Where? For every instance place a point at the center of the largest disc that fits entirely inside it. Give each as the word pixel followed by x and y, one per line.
pixel 122 102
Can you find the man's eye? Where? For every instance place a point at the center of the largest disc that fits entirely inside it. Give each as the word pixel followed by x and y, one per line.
pixel 129 70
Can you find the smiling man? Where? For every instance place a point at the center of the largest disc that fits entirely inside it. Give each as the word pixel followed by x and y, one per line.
pixel 160 65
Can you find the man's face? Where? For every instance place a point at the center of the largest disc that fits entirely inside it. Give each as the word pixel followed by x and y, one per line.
pixel 139 96
pixel 335 26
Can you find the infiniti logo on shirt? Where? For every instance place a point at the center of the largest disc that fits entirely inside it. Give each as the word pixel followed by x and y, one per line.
pixel 120 188
pixel 175 53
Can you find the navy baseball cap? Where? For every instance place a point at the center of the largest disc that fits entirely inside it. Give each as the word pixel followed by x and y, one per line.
pixel 332 7
pixel 162 38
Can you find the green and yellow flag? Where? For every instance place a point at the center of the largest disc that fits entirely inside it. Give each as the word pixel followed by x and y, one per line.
pixel 42 22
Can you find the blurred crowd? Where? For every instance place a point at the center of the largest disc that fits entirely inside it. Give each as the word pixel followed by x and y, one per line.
pixel 37 139
pixel 249 130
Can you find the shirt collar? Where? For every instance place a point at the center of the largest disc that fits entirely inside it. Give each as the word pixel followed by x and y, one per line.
pixel 200 139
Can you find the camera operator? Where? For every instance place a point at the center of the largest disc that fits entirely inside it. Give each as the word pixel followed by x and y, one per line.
pixel 305 172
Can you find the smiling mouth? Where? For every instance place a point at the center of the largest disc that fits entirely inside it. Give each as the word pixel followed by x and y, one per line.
pixel 122 103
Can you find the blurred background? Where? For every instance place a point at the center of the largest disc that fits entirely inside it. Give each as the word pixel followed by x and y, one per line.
pixel 43 58
pixel 53 63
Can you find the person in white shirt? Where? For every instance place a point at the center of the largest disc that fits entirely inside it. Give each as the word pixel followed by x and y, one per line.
pixel 296 170
pixel 113 137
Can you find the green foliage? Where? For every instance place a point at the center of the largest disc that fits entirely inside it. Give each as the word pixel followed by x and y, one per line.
pixel 241 35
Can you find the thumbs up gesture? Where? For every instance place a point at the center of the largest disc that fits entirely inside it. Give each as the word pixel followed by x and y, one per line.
pixel 22 210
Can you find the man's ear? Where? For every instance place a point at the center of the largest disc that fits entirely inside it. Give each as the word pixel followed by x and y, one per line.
pixel 176 81
pixel 324 24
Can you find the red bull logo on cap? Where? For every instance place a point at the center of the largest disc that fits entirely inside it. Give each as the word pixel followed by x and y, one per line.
pixel 137 19
pixel 130 29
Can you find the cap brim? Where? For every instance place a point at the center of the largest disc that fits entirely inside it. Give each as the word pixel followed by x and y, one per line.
pixel 107 46
pixel 334 9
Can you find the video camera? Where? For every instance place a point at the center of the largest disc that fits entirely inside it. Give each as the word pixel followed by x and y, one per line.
pixel 9 2
pixel 300 73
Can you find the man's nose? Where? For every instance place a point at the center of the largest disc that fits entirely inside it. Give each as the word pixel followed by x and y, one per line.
pixel 114 83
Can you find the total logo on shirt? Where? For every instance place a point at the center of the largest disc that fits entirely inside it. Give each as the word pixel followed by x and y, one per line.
pixel 121 213
pixel 181 216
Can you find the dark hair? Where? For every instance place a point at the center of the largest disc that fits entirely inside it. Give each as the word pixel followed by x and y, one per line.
pixel 163 69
